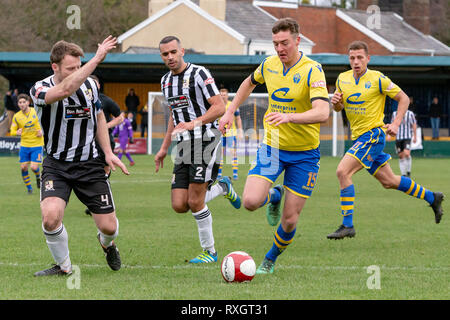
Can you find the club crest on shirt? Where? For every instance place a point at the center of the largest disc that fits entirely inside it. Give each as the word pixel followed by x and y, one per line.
pixel 297 78
pixel 186 83
pixel 367 85
pixel 88 94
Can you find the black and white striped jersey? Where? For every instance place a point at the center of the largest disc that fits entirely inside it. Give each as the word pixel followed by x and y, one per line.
pixel 405 130
pixel 187 95
pixel 69 125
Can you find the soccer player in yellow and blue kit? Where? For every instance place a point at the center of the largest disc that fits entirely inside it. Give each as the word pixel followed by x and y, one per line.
pixel 298 102
pixel 25 124
pixel 362 92
pixel 229 139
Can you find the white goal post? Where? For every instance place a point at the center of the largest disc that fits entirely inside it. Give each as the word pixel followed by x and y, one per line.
pixel 332 135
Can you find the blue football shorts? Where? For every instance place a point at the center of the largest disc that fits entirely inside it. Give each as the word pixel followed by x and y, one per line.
pixel 30 154
pixel 368 150
pixel 229 142
pixel 300 168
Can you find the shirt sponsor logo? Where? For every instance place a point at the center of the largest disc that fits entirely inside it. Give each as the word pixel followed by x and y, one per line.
pixel 178 102
pixel 275 97
pixel 272 71
pixel 209 81
pixel 352 99
pixel 318 84
pixel 77 112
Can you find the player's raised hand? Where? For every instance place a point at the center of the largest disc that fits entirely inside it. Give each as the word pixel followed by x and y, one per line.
pixel 106 46
pixel 276 118
pixel 112 161
pixel 159 159
pixel 226 122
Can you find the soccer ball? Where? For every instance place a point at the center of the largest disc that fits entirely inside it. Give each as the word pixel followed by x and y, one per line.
pixel 238 266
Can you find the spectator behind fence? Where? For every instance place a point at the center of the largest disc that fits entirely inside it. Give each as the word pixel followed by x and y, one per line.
pixel 435 113
pixel 144 120
pixel 132 102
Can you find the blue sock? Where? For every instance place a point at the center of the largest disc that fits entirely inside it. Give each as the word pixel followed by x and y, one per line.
pixel 347 204
pixel 413 189
pixel 274 197
pixel 281 240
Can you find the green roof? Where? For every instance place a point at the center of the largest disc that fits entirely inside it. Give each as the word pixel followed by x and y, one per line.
pixel 325 59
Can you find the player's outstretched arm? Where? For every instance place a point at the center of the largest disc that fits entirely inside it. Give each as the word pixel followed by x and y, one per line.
pixel 242 94
pixel 73 82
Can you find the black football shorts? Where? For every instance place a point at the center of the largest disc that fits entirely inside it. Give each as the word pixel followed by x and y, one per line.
pixel 403 144
pixel 196 162
pixel 87 179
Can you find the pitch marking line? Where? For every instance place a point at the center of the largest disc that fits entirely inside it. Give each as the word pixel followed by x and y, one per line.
pixel 213 266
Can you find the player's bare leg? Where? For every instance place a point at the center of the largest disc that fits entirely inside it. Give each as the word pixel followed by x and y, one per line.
pixel 52 209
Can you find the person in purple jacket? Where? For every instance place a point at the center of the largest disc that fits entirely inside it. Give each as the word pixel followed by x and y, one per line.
pixel 125 132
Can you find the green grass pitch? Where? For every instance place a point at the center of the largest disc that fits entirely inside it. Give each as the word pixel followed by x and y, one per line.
pixel 395 232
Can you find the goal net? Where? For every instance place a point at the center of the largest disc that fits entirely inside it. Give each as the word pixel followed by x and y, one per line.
pixel 332 135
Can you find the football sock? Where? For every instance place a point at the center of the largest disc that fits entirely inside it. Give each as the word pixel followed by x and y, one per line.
pixel 129 157
pixel 408 186
pixel 235 167
pixel 347 200
pixel 274 197
pixel 219 175
pixel 26 179
pixel 120 155
pixel 106 239
pixel 281 240
pixel 205 231
pixel 58 243
pixel 37 173
pixel 214 191
pixel 408 163
pixel 402 164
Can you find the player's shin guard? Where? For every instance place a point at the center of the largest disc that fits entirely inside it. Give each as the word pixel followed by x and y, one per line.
pixel 58 243
pixel 281 240
pixel 205 230
pixel 106 239
pixel 347 204
pixel 413 189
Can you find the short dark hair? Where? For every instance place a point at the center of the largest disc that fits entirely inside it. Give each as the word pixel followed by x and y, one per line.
pixel 168 39
pixel 63 48
pixel 358 45
pixel 24 96
pixel 286 24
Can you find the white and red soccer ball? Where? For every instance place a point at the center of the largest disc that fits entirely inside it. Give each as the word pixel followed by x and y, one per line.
pixel 238 266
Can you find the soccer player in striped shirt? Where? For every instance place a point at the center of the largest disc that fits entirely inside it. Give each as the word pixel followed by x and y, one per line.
pixel 362 92
pixel 195 104
pixel 72 120
pixel 25 124
pixel 406 133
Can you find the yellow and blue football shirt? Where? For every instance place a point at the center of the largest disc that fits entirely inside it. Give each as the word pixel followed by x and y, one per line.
pixel 231 132
pixel 291 91
pixel 364 99
pixel 29 123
